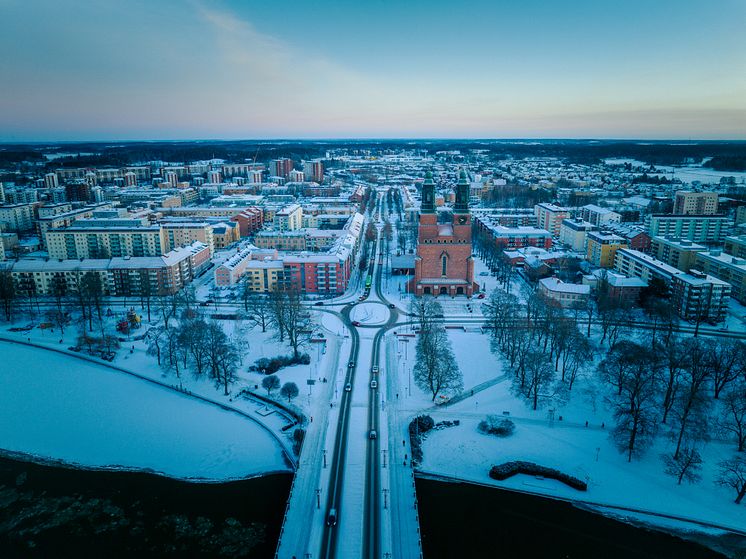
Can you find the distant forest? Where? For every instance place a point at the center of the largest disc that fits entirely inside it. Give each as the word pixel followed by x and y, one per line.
pixel 726 156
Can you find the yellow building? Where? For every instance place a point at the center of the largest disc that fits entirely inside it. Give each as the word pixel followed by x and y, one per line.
pixel 262 276
pixel 183 234
pixel 602 247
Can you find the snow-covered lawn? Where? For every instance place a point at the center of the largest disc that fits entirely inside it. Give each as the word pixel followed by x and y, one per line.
pixel 564 443
pixel 59 407
pixel 586 453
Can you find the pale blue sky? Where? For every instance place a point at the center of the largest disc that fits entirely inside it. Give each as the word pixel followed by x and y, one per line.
pixel 179 69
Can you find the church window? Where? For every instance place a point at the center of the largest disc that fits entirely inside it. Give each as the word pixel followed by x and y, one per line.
pixel 444 264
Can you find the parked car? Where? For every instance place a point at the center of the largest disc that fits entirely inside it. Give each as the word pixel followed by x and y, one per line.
pixel 481 296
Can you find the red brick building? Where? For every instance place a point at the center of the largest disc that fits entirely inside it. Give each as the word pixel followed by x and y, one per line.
pixel 444 265
pixel 250 220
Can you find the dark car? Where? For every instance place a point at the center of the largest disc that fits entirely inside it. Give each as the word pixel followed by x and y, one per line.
pixel 355 323
pixel 331 518
pixel 319 304
pixel 392 306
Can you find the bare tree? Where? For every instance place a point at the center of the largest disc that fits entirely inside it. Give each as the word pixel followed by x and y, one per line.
pixel 258 308
pixel 733 416
pixel 436 369
pixel 686 467
pixel 7 293
pixel 539 375
pixel 635 372
pixel 578 354
pixel 155 339
pixel 728 358
pixel 691 405
pixel 733 475
pixel 674 358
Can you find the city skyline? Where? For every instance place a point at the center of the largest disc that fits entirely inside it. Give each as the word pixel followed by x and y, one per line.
pixel 317 70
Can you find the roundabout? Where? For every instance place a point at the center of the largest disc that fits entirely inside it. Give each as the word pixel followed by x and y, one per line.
pixel 369 314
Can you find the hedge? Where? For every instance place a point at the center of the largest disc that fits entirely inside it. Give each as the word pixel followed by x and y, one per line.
pixel 509 469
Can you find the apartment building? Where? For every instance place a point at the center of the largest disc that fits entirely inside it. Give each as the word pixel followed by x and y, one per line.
pixel 687 202
pixel 17 217
pixel 703 229
pixel 574 233
pixel 700 297
pixel 735 245
pixel 513 237
pixel 729 268
pixel 550 217
pixel 602 246
pixel 105 242
pixel 118 276
pixel 680 254
pixel 313 170
pixel 638 264
pixel 179 234
pixel 599 216
pixel 289 218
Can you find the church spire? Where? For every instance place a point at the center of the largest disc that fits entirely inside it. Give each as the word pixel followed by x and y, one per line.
pixel 428 194
pixel 462 194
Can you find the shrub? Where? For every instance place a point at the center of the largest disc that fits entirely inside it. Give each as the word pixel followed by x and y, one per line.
pixel 496 425
pixel 509 469
pixel 298 436
pixel 271 366
pixel 417 428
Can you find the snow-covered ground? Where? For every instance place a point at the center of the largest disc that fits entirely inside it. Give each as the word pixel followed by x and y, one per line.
pixel 58 407
pixel 563 442
pixel 370 314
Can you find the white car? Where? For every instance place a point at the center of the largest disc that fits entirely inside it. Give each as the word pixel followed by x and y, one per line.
pixel 373 384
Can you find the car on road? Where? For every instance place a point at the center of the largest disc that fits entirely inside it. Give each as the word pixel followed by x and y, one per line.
pixel 372 435
pixel 374 369
pixel 484 273
pixel 361 298
pixel 356 323
pixel 373 384
pixel 318 304
pixel 348 387
pixel 351 364
pixel 392 306
pixel 481 296
pixel 331 518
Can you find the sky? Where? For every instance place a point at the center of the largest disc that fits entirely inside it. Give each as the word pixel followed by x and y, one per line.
pixel 202 69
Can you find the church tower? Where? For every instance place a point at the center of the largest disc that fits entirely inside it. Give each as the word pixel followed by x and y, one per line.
pixel 443 264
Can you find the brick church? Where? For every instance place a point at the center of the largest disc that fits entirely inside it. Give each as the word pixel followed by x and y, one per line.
pixel 444 265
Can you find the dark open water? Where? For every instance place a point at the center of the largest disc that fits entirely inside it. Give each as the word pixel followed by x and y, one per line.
pixel 48 511
pixel 464 521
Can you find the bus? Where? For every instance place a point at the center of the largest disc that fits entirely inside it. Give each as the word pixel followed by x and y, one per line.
pixel 368 281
